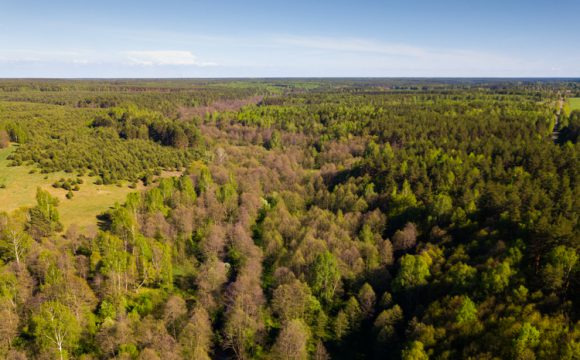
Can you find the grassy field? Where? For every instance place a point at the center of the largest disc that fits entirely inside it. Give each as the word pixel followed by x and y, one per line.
pixel 82 209
pixel 574 103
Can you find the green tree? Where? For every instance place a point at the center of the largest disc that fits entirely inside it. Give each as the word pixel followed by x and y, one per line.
pixel 275 141
pixel 123 224
pixel 56 328
pixel 442 206
pixel 154 201
pixel 111 260
pixel 47 205
pixel 366 297
pixel 562 264
pixel 204 178
pixel 14 241
pixel 402 201
pixel 415 351
pixel 413 271
pixel 460 276
pixel 187 189
pixel 324 276
pixel 528 338
pixel 44 218
pixel 497 277
pixel 467 311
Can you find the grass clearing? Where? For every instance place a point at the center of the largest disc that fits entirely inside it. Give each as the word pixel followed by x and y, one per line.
pixel 574 103
pixel 90 201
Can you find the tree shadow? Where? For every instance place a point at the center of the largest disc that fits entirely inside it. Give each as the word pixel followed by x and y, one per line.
pixel 104 221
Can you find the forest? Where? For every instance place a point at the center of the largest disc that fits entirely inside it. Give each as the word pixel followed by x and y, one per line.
pixel 294 219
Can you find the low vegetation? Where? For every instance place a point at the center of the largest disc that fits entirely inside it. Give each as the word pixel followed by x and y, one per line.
pixel 574 103
pixel 19 184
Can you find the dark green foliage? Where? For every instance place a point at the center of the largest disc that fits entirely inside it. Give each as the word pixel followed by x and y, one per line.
pixel 62 139
pixel 572 130
pixel 68 184
pixel 132 123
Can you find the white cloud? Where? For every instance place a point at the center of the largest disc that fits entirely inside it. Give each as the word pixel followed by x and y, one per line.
pixel 163 57
pixel 351 45
pixel 400 56
pixel 142 58
pixel 281 55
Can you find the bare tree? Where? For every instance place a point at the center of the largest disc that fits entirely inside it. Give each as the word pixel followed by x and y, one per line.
pixel 174 311
pixel 405 239
pixel 292 342
pixel 195 338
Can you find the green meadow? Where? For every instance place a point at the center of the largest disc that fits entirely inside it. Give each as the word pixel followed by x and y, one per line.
pixel 19 189
pixel 574 103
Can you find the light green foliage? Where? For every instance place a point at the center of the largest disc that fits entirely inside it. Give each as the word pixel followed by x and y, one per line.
pixel 195 338
pixel 8 282
pixel 166 187
pixel 14 240
pixel 413 271
pixel 133 202
pixel 461 276
pixel 187 188
pixel 467 311
pixel 44 218
pixel 527 338
pixel 111 259
pixel 56 329
pixel 154 201
pixel 415 351
pixel 366 297
pixel 123 222
pixel 442 206
pixel 47 204
pixel 563 263
pixel 153 261
pixel 227 194
pixel 353 312
pixel 204 179
pixel 402 200
pixel 341 325
pixel 497 277
pixel 574 103
pixel 325 276
pixel 275 141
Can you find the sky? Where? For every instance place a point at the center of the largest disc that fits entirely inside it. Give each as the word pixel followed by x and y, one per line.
pixel 293 38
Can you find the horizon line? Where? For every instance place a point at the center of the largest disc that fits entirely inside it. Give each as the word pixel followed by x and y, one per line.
pixel 301 77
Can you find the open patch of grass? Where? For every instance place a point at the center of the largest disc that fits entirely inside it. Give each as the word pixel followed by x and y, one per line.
pixel 18 188
pixel 574 103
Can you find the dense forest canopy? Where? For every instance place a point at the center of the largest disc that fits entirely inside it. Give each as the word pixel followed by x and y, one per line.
pixel 311 219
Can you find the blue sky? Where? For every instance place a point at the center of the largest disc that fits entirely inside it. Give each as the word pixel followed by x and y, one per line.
pixel 475 38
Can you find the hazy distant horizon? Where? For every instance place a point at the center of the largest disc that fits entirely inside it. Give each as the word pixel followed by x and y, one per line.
pixel 560 78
